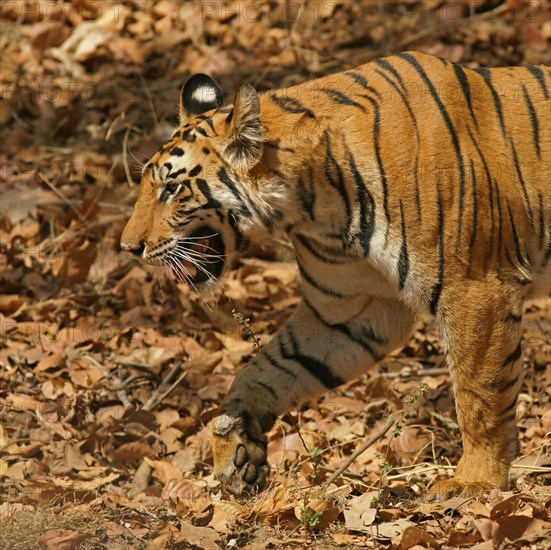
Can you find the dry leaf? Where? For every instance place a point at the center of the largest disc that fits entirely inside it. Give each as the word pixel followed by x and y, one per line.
pixel 63 539
pixel 359 513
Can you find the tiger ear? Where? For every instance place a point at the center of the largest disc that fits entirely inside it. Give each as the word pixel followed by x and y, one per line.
pixel 243 144
pixel 200 93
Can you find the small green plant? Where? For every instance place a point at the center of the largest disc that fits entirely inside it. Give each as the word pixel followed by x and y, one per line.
pixel 386 467
pixel 315 455
pixel 414 396
pixel 245 322
pixel 309 518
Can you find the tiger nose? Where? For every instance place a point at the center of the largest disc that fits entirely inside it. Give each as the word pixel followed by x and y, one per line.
pixel 135 248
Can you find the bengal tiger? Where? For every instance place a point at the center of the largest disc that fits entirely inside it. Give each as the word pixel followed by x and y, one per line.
pixel 406 185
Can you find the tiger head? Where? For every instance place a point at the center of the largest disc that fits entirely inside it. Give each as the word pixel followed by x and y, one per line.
pixel 205 193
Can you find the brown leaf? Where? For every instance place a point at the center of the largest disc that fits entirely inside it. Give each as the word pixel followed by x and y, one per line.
pixel 505 507
pixel 391 529
pixel 53 361
pixel 414 536
pixel 132 451
pixel 203 537
pixel 488 529
pixel 63 539
pixel 359 513
pixel 184 489
pixel 164 470
pixel 522 527
pixel 74 264
pixel 10 303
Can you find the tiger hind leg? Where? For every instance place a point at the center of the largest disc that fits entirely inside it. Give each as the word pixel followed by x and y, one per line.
pixel 482 335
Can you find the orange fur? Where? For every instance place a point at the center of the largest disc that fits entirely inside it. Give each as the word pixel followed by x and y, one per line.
pixel 405 185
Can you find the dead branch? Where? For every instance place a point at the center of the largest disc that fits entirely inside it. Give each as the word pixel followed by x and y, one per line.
pixel 379 435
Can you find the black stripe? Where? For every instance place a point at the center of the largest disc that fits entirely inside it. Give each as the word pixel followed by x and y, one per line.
pixel 189 218
pixel 416 127
pixel 342 99
pixel 490 194
pixel 518 252
pixel 461 208
pixel 475 210
pixel 366 333
pixel 373 91
pixel 499 219
pixel 367 206
pixel 437 288
pixel 539 76
pixel 195 170
pixel 509 408
pixel 541 229
pixel 240 241
pixel 336 253
pixel 279 147
pixel 466 89
pixel 391 69
pixel 291 105
pixel 204 188
pixel 316 253
pixel 506 386
pixel 339 182
pixel 306 194
pixel 318 369
pixel 322 288
pixel 534 120
pixel 513 318
pixel 210 122
pixel 201 131
pixel 485 73
pixel 478 397
pixel 178 173
pixel 227 181
pixel 376 137
pixel 403 260
pixel 512 357
pixel 522 184
pixel 188 136
pixel 547 253
pixel 268 388
pixel 230 116
pixel 451 130
pixel 358 78
pixel 276 364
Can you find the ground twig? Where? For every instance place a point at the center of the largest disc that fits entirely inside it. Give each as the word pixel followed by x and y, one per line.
pixel 380 434
pixel 409 373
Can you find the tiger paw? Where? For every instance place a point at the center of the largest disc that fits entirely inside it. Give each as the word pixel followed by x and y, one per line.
pixel 239 462
pixel 448 488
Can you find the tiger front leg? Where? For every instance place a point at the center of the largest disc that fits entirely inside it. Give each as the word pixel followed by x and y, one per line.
pixel 310 355
pixel 483 340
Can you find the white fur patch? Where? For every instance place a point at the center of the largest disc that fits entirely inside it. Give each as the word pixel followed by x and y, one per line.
pixel 204 94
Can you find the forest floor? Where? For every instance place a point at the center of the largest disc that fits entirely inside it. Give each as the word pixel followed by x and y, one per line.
pixel 110 371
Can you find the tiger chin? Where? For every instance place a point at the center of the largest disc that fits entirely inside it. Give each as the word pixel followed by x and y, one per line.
pixel 406 185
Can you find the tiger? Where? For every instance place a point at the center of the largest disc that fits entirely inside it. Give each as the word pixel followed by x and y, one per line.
pixel 408 185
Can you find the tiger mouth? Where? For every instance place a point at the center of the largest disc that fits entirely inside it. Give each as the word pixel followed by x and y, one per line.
pixel 198 258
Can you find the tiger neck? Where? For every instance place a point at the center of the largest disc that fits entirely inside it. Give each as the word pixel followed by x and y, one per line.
pixel 292 159
pixel 289 164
